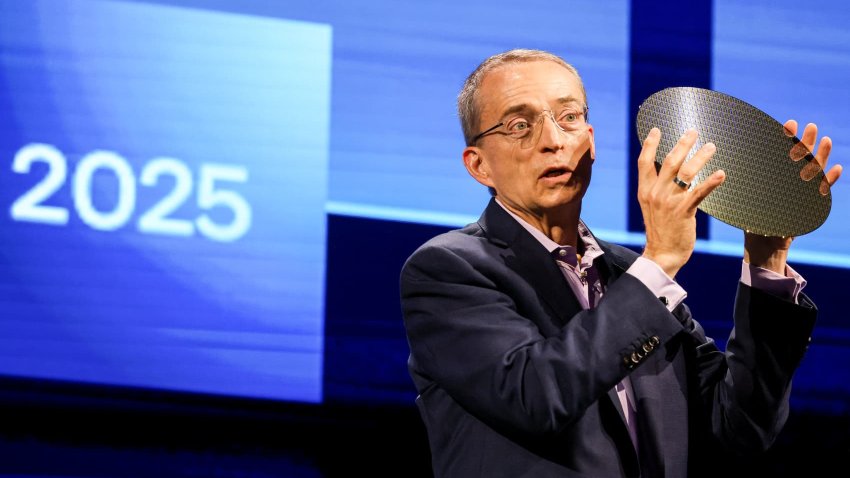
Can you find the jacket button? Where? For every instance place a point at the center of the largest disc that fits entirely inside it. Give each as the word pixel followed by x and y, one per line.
pixel 654 341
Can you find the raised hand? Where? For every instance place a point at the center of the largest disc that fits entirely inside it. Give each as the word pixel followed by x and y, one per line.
pixel 669 202
pixel 772 252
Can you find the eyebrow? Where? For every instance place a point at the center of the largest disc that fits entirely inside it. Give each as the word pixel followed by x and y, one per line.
pixel 524 107
pixel 568 99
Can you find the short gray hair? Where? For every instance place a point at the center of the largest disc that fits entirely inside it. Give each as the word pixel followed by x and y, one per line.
pixel 468 108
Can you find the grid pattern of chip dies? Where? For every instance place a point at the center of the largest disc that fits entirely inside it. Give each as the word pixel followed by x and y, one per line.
pixel 774 186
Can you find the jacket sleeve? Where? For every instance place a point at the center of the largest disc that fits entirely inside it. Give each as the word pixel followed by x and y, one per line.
pixel 746 389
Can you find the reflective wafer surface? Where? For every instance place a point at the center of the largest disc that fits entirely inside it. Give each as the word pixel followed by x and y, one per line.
pixel 774 186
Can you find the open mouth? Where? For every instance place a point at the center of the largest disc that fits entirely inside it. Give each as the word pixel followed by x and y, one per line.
pixel 554 173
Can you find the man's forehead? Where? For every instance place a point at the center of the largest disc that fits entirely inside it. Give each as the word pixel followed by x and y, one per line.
pixel 540 70
pixel 511 85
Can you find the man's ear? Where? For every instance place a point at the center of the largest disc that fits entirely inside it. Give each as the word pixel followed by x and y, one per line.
pixel 477 165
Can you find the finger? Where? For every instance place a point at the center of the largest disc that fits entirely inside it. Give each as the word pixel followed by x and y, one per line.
pixel 790 127
pixel 829 178
pixel 677 155
pixel 646 159
pixel 824 148
pixel 689 170
pixel 703 189
pixel 833 174
pixel 810 134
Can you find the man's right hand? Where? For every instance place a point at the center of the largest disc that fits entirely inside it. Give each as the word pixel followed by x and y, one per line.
pixel 669 210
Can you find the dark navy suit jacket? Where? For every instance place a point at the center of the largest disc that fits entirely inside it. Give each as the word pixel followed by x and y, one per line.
pixel 514 379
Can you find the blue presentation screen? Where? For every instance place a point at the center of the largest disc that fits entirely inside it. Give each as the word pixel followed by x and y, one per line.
pixel 164 177
pixel 169 168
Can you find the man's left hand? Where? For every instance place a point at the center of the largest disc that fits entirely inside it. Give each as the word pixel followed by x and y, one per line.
pixel 772 252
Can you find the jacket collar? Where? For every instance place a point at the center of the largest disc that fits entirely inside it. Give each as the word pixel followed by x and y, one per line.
pixel 524 254
pixel 502 230
pixel 528 258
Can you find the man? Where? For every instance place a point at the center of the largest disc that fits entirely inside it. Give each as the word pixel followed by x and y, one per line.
pixel 540 350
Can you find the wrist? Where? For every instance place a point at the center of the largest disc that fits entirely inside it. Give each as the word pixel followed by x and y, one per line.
pixel 774 261
pixel 769 253
pixel 668 263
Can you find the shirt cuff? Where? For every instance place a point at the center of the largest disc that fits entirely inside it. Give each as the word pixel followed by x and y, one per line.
pixel 653 276
pixel 786 286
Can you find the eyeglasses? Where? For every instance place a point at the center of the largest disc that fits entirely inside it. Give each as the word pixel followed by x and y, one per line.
pixel 526 128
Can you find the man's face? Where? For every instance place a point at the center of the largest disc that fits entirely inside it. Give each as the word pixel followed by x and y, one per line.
pixel 538 176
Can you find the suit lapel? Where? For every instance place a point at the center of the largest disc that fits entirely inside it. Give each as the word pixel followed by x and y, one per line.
pixel 610 264
pixel 525 255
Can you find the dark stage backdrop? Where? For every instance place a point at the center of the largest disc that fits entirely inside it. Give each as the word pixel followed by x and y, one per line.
pixel 213 198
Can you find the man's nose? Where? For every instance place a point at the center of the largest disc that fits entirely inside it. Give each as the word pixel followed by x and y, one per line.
pixel 551 135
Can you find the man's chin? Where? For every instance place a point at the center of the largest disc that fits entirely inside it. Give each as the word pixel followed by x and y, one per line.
pixel 563 195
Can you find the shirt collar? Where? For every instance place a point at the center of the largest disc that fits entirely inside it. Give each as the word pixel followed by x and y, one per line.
pixel 591 247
